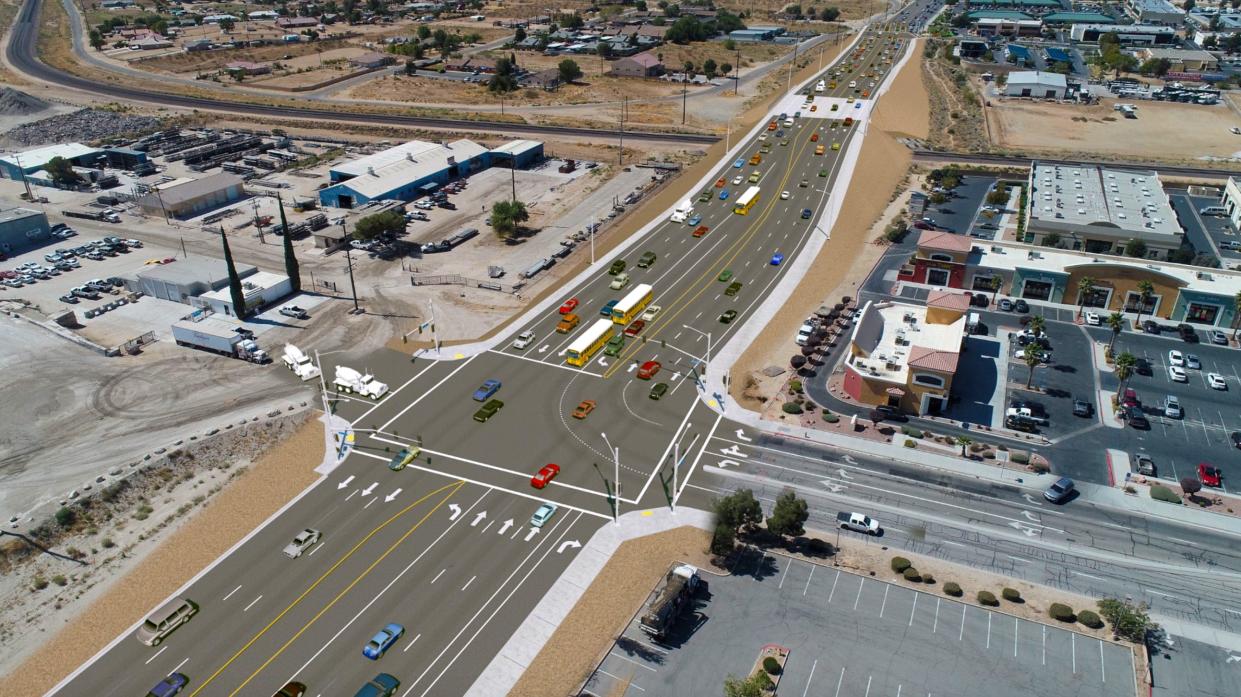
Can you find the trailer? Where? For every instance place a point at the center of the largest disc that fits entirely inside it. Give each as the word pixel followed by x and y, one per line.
pixel 217 336
pixel 666 603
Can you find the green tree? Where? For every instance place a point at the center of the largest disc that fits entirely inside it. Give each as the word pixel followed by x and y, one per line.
pixel 726 68
pixel 964 442
pixel 739 510
pixel 569 70
pixel 234 281
pixel 723 540
pixel 1085 289
pixel 424 32
pixel 604 49
pixel 998 196
pixel 1128 620
pixel 1155 66
pixel 505 78
pixel 1037 325
pixel 996 284
pixel 375 225
pixel 291 267
pixel 754 686
pixel 519 35
pixel 829 14
pixel 788 517
pixel 640 5
pixel 61 172
pixel 1210 43
pixel 730 45
pixel 709 67
pixel 96 39
pixel 1124 366
pixel 1032 356
pixel 1135 248
pixel 65 517
pixel 1236 318
pixel 226 25
pixel 1115 322
pixel 507 217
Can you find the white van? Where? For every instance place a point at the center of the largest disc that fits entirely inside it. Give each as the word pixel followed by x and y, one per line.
pixel 821 87
pixel 1213 210
pixel 161 622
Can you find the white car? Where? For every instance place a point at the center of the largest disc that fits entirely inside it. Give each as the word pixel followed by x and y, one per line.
pixel 523 340
pixel 1216 381
pixel 1093 319
pixel 302 542
pixel 737 180
pixel 1191 361
pixel 1177 374
pixel 542 515
pixel 650 313
pixel 1176 358
pixel 1172 408
pixel 784 195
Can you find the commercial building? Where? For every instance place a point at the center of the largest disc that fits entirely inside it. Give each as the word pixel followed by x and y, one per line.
pixel 407 171
pixel 1018 55
pixel 640 65
pixel 1187 61
pixel 1076 18
pixel 1232 201
pixel 1129 34
pixel 972 48
pixel 754 35
pixel 372 60
pixel 905 355
pixel 258 290
pixel 1034 83
pixel 1100 210
pixel 999 26
pixel 1155 12
pixel 190 198
pixel 939 259
pixel 28 162
pixel 21 229
pixel 203 282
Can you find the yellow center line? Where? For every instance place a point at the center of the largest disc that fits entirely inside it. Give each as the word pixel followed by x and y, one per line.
pixel 454 488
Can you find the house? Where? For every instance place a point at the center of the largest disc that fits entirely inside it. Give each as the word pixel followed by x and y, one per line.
pixel 641 65
pixel 148 43
pixel 258 15
pixel 198 45
pixel 117 4
pixel 544 79
pixel 372 60
pixel 1035 83
pixel 247 68
pixel 297 22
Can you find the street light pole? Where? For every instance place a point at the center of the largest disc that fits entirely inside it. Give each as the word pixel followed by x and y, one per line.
pixel 617 494
pixel 706 334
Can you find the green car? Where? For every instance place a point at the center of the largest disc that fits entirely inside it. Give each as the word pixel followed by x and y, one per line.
pixel 728 316
pixel 645 261
pixel 784 142
pixel 725 275
pixel 733 288
pixel 616 267
pixel 488 410
pixel 403 458
pixel 704 196
pixel 765 149
pixel 614 345
pixel 659 390
pixel 822 173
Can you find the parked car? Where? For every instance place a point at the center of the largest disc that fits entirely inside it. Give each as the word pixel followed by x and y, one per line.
pixel 1082 408
pixel 884 412
pixel 1150 326
pixel 1209 475
pixel 1135 418
pixel 294 311
pixel 1021 306
pixel 1177 374
pixel 1217 337
pixel 1005 304
pixel 1216 381
pixel 1172 407
pixel 1130 398
pixel 1060 490
pixel 1188 334
pixel 1144 465
pixel 1093 319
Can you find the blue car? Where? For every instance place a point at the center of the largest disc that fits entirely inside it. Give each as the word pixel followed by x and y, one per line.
pixel 694 220
pixel 724 195
pixel 777 259
pixel 606 311
pixel 738 164
pixel 382 685
pixel 169 686
pixel 382 641
pixel 488 388
pixel 806 213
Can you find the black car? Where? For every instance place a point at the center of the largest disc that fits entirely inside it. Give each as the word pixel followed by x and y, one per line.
pixel 1188 334
pixel 1150 326
pixel 1020 306
pixel 979 300
pixel 1135 418
pixel 1235 437
pixel 1082 408
pixel 1142 367
pixel 885 412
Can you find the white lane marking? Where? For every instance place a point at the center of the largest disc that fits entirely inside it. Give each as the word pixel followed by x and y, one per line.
pixel 935 623
pixel 179 665
pixel 467 583
pixel 1078 573
pixel 157 653
pixel 407 646
pixel 312 552
pixel 808 580
pixel 1102 667
pixel 392 394
pixel 630 660
pixel 424 395
pixel 961 635
pixel 841 680
pixel 785 573
pixel 884 604
pixel 437 576
pixel 913 609
pixel 1016 627
pixel 630 683
pixel 834 582
pixel 989 615
pixel 811 678
pixel 252 602
pixel 859 593
pixel 230 594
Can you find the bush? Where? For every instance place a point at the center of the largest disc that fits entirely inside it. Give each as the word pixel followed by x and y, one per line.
pixel 928 579
pixel 953 589
pixel 911 574
pixel 1089 619
pixel 1021 457
pixel 39 583
pixel 1163 493
pixel 59 580
pixel 792 408
pixel 795 386
pixel 831 418
pixel 987 598
pixel 108 543
pixel 1128 621
pixel 1040 468
pixel 1012 595
pixel 911 432
pixel 899 564
pixel 771 665
pixel 1061 612
pixel 65 517
pixel 910 444
pixel 723 540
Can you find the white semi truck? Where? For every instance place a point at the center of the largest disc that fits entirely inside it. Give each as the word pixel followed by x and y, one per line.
pixel 351 381
pixel 299 363
pixel 217 336
pixel 683 211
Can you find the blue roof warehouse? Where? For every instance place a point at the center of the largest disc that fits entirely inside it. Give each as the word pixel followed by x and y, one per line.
pixel 405 172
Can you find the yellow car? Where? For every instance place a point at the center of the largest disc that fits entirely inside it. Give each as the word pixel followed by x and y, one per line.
pixel 835 146
pixel 149 262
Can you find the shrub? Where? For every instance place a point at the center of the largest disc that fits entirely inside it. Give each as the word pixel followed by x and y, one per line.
pixel 65 517
pixel 927 578
pixel 1128 621
pixel 987 598
pixel 39 583
pixel 792 408
pixel 1061 612
pixel 795 386
pixel 911 574
pixel 1040 468
pixel 771 665
pixel 1163 493
pixel 1089 619
pixel 59 580
pixel 910 444
pixel 723 540
pixel 899 564
pixel 1021 457
pixel 108 543
pixel 1012 595
pixel 911 432
pixel 831 418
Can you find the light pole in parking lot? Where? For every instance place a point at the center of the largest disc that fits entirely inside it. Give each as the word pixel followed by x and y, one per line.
pixel 616 482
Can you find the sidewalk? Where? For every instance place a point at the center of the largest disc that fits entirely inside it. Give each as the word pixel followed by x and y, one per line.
pixel 524 645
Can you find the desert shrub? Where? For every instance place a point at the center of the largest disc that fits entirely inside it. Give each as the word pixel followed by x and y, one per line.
pixel 1020 457
pixel 1012 595
pixel 1061 612
pixel 911 574
pixel 59 580
pixel 899 564
pixel 1163 493
pixel 953 588
pixel 831 418
pixel 1040 468
pixel 65 517
pixel 911 432
pixel 927 578
pixel 107 543
pixel 39 583
pixel 910 444
pixel 987 598
pixel 771 665
pixel 1090 619
pixel 792 408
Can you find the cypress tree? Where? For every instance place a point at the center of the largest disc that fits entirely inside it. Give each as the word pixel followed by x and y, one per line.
pixel 291 268
pixel 234 281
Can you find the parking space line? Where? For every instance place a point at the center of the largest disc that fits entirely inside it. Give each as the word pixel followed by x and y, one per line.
pixel 935 624
pixel 989 629
pixel 913 609
pixel 834 582
pixel 626 658
pixel 1044 644
pixel 1102 668
pixel 631 683
pixel 859 593
pixel 786 573
pixel 812 667
pixel 841 680
pixel 961 636
pixel 810 578
pixel 869 678
pixel 884 604
pixel 1073 649
pixel 1015 632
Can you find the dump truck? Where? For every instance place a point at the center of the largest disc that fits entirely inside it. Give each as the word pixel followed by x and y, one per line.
pixel 351 381
pixel 299 363
pixel 666 603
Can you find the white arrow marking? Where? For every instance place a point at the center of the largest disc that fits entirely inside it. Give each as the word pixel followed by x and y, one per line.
pixel 482 515
pixel 729 463
pixel 345 483
pixel 563 352
pixel 530 535
pixel 849 460
pixel 1030 516
pixel 676 376
pixel 389 497
pixel 544 348
pixel 456 511
pixel 733 451
pixel 844 474
pixel 1030 499
pixel 833 486
pixel 567 544
pixel 741 436
pixel 1025 529
pixel 367 491
pixel 632 367
pixel 504 528
pixel 603 362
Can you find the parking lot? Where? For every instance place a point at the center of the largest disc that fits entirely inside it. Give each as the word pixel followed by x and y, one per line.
pixel 881 639
pixel 960 213
pixel 1209 234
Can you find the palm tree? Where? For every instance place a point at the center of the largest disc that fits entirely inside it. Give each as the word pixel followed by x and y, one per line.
pixel 1145 290
pixel 964 442
pixel 996 283
pixel 1125 363
pixel 1115 322
pixel 1032 355
pixel 1085 288
pixel 1236 301
pixel 1037 325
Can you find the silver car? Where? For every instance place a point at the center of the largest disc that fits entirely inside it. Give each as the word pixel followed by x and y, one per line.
pixel 1172 408
pixel 302 542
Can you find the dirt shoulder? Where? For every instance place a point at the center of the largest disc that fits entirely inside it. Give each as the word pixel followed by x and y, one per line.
pixel 141 579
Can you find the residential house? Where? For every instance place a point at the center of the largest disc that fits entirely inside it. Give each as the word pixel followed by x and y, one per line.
pixel 544 79
pixel 247 68
pixel 372 60
pixel 641 65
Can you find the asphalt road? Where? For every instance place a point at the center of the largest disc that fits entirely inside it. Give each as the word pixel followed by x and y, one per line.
pixel 395 548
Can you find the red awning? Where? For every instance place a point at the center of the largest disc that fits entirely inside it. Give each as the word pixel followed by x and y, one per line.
pixel 896 392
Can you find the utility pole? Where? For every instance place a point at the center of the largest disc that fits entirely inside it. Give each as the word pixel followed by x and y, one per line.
pixel 684 98
pixel 513 175
pixel 353 288
pixel 737 74
pixel 620 154
pixel 792 67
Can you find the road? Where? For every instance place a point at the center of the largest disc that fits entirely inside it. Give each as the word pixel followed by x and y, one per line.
pixel 22 55
pixel 395 548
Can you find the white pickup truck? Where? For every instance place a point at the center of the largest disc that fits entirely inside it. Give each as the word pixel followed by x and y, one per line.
pixel 858 522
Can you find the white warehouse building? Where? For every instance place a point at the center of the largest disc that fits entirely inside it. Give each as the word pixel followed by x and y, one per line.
pixel 1037 84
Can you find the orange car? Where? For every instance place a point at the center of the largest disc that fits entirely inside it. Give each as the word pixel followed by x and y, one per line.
pixel 771 126
pixel 814 107
pixel 719 183
pixel 865 93
pixel 701 230
pixel 814 137
pixel 584 408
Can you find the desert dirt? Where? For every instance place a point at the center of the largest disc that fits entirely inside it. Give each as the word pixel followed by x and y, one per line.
pixel 847 258
pixel 151 575
pixel 1062 129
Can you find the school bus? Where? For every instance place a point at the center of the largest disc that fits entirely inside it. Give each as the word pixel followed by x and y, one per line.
pixel 747 201
pixel 588 344
pixel 628 308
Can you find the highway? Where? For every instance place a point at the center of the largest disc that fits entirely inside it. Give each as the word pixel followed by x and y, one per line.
pixel 445 547
pixel 23 56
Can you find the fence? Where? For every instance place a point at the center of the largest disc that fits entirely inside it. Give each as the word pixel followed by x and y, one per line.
pixel 457 280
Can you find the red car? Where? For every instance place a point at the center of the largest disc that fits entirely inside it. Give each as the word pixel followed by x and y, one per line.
pixel 701 230
pixel 1209 475
pixel 544 476
pixel 635 328
pixel 648 370
pixel 569 306
pixel 1130 398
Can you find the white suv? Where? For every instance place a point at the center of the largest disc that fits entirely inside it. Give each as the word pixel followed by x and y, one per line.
pixel 523 340
pixel 803 334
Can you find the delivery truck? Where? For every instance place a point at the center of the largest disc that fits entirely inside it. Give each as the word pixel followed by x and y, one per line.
pixel 668 601
pixel 217 336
